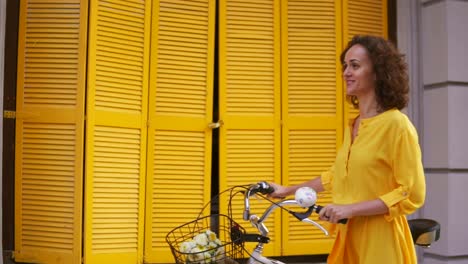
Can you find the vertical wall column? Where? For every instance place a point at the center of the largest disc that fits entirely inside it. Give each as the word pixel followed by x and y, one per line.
pixel 445 78
pixel 409 41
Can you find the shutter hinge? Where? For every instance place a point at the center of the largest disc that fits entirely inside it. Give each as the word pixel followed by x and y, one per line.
pixel 9 114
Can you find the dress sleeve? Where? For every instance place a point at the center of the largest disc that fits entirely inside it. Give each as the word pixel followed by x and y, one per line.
pixel 408 173
pixel 327 178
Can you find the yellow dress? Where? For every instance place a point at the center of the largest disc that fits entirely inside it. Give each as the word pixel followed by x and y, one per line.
pixel 384 162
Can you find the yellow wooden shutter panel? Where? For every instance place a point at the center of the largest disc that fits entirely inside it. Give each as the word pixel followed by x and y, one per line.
pixel 49 131
pixel 363 17
pixel 312 107
pixel 180 109
pixel 249 86
pixel 118 66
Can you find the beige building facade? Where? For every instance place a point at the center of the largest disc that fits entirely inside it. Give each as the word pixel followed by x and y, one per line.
pixel 434 37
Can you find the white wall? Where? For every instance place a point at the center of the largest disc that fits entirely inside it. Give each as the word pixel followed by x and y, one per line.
pixel 434 36
pixel 445 78
pixel 408 41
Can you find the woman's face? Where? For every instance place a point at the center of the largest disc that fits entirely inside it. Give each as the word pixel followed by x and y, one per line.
pixel 358 72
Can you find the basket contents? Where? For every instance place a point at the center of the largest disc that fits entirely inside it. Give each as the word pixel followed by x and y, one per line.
pixel 207 240
pixel 203 248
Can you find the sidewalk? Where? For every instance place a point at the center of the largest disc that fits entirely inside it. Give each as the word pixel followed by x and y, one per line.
pixel 309 259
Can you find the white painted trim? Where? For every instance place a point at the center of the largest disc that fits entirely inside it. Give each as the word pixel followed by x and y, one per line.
pixel 408 36
pixel 409 43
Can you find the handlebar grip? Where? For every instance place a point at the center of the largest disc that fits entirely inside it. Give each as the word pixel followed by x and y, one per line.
pixel 265 188
pixel 318 208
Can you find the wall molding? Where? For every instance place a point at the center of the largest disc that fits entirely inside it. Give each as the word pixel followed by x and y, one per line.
pixel 440 257
pixel 433 2
pixel 446 170
pixel 446 84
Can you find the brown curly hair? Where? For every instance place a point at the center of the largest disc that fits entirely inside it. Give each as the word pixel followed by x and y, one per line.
pixel 392 81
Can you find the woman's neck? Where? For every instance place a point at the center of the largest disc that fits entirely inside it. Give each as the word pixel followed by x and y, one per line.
pixel 368 107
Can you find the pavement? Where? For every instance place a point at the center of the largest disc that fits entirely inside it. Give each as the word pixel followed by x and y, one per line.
pixel 309 259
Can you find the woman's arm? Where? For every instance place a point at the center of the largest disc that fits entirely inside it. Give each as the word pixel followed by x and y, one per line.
pixel 335 212
pixel 284 191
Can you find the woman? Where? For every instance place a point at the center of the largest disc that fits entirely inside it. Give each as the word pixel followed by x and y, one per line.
pixel 377 178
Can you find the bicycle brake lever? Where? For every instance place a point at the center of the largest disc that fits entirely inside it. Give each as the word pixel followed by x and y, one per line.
pixel 302 216
pixel 307 220
pixel 318 208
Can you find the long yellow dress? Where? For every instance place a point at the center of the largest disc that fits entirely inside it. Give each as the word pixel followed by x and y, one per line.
pixel 384 162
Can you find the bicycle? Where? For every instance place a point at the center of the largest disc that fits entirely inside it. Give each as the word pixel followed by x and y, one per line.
pixel 232 236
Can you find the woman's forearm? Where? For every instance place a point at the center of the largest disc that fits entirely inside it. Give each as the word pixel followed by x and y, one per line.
pixel 315 184
pixel 372 207
pixel 335 212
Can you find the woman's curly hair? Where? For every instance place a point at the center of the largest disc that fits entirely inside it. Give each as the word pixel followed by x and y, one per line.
pixel 392 81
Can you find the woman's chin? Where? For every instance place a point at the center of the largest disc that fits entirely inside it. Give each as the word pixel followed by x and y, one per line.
pixel 352 92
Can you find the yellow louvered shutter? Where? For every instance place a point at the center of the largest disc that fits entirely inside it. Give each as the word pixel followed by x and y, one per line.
pixel 116 128
pixel 180 109
pixel 49 131
pixel 367 17
pixel 249 87
pixel 312 107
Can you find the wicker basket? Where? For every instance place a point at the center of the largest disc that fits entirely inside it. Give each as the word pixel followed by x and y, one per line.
pixel 210 239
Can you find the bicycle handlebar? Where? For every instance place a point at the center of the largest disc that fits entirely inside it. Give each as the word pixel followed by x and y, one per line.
pixel 265 188
pixel 261 187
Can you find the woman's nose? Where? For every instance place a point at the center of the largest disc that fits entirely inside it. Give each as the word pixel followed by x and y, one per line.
pixel 346 72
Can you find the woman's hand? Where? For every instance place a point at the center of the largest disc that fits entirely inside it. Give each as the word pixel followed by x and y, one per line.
pixel 280 191
pixel 335 212
pixel 283 191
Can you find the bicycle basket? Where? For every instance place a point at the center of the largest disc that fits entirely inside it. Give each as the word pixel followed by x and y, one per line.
pixel 211 239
